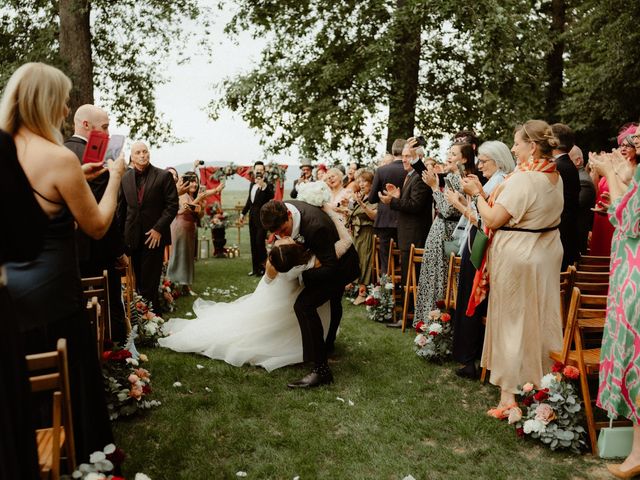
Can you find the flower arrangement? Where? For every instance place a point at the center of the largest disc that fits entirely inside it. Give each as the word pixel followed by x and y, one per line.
pixel 314 193
pixel 127 384
pixel 552 413
pixel 101 463
pixel 274 172
pixel 168 293
pixel 147 326
pixel 434 336
pixel 379 301
pixel 223 172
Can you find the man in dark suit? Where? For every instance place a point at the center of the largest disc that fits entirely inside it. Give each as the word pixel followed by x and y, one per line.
pixel 148 205
pixel 108 253
pixel 571 192
pixel 586 201
pixel 310 226
pixel 386 223
pixel 413 203
pixel 260 192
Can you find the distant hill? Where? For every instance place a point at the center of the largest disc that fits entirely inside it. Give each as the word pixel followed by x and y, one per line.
pixel 239 183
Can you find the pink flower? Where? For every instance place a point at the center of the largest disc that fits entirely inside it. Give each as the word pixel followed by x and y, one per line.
pixel 136 392
pixel 515 415
pixel 545 413
pixel 133 378
pixel 422 340
pixel 142 373
pixel 527 387
pixel 572 373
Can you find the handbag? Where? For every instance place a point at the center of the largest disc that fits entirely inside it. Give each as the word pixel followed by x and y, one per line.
pixel 479 247
pixel 615 442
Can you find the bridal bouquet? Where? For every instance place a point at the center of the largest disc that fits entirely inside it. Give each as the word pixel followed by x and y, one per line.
pixel 379 301
pixel 434 336
pixel 147 326
pixel 314 193
pixel 127 384
pixel 552 413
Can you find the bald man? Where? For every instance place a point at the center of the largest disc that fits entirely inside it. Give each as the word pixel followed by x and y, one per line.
pixel 108 253
pixel 148 205
pixel 586 200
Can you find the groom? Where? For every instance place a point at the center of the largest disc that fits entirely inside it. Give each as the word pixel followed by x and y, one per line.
pixel 313 228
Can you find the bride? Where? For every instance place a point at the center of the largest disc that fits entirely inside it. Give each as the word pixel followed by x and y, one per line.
pixel 260 328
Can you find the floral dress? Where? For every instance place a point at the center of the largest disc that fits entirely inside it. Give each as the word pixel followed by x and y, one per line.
pixel 433 273
pixel 619 391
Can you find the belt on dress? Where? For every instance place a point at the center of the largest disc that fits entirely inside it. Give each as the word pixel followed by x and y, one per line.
pixel 530 230
pixel 448 219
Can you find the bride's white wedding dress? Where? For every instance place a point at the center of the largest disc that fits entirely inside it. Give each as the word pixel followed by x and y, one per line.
pixel 258 329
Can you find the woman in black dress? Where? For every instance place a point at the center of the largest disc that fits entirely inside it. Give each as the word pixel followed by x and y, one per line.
pixel 46 292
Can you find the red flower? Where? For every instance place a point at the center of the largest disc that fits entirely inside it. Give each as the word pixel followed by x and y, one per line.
pixel 572 373
pixel 371 301
pixel 445 317
pixel 433 334
pixel 557 367
pixel 419 326
pixel 106 354
pixel 440 304
pixel 542 395
pixel 120 355
pixel 527 401
pixel 117 457
pixel 166 283
pixel 146 389
pixel 520 432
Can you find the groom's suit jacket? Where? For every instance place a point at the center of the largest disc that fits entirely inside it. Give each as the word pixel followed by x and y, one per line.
pixel 320 235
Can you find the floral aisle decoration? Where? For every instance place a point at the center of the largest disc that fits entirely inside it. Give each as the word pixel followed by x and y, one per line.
pixel 221 174
pixel 128 385
pixel 168 293
pixel 274 172
pixel 101 463
pixel 146 325
pixel 552 413
pixel 434 336
pixel 379 301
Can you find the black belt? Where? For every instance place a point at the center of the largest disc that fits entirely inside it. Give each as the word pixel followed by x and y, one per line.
pixel 448 219
pixel 529 230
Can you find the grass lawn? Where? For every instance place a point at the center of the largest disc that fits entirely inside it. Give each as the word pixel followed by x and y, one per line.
pixel 408 417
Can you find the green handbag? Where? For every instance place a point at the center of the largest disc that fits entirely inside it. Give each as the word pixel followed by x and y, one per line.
pixel 479 247
pixel 615 442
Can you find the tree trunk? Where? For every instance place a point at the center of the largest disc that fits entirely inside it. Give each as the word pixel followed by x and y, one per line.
pixel 403 75
pixel 75 51
pixel 555 61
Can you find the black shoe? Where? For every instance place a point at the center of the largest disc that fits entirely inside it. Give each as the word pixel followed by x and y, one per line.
pixel 397 324
pixel 313 379
pixel 468 371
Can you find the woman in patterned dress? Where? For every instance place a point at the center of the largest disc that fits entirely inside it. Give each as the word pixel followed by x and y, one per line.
pixel 619 391
pixel 433 273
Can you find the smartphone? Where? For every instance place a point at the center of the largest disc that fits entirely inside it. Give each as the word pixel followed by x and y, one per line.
pixel 420 141
pixel 115 146
pixel 461 169
pixel 449 185
pixel 96 147
pixel 419 166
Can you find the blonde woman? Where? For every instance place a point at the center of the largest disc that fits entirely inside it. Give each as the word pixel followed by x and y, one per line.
pixel 46 292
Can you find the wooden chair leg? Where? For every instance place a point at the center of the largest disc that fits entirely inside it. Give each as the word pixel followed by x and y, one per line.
pixel 588 412
pixel 483 376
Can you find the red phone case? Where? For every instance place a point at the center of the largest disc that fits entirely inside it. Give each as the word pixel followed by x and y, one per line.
pixel 96 147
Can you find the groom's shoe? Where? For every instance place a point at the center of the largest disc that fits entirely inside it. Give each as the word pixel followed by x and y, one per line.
pixel 313 379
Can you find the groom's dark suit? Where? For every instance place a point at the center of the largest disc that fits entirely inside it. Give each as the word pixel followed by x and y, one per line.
pixel 322 284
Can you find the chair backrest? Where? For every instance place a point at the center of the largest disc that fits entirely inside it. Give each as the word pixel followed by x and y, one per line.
pixel 95 317
pixel 99 287
pixel 452 281
pixel 394 261
pixel 594 260
pixel 566 286
pixel 49 371
pixel 375 259
pixel 411 287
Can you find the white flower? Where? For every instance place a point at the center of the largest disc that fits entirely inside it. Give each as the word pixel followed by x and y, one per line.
pixel 141 476
pixel 244 474
pixel 177 384
pixel 94 476
pixel 548 380
pixel 97 457
pixel 434 314
pixel 533 426
pixel 435 327
pixel 132 361
pixel 314 193
pixel 150 328
pixel 388 286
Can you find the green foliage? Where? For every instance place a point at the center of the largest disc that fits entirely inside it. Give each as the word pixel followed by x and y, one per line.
pixel 132 42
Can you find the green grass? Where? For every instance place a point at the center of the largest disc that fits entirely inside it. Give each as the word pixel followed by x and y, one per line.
pixel 409 417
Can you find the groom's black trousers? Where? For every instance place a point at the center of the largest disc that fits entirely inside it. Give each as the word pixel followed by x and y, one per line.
pixel 306 306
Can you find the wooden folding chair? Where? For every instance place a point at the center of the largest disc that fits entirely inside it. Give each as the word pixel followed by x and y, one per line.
pixel 411 288
pixel 566 287
pixel 452 282
pixel 99 287
pixel 394 271
pixel 586 313
pixel 591 283
pixel 95 317
pixel 49 372
pixel 591 263
pixel 375 260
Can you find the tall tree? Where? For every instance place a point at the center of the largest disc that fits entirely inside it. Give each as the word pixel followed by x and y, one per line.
pixel 555 60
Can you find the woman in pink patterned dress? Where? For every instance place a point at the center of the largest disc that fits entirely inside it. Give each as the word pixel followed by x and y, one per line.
pixel 619 391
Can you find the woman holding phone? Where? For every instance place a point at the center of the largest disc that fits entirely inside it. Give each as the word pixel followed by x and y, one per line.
pixel 46 292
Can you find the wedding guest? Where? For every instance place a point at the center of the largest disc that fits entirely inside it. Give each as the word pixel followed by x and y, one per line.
pixel 361 224
pixel 21 243
pixel 306 175
pixel 523 325
pixel 183 236
pixel 602 231
pixel 46 292
pixel 148 205
pixel 619 363
pixel 321 171
pixel 570 191
pixel 349 181
pixel 586 200
pixel 260 192
pixel 386 224
pixel 495 162
pixel 339 195
pixel 433 274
